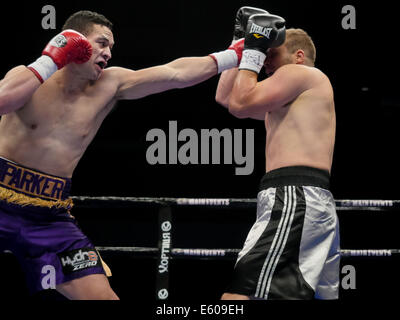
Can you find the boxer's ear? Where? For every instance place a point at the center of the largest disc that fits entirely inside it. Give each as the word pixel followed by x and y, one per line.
pixel 299 56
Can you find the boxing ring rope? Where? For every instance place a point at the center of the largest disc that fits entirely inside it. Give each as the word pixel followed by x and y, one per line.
pixel 165 252
pixel 232 253
pixel 234 203
pixel 124 202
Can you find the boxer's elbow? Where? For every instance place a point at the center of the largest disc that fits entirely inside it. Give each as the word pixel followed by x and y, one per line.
pixel 222 99
pixel 8 104
pixel 240 114
pixel 179 79
pixel 241 104
pixel 238 108
pixel 4 103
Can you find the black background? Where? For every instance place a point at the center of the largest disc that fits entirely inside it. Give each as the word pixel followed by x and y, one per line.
pixel 362 65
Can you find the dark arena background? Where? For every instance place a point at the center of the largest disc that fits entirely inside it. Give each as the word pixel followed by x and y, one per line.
pixel 362 64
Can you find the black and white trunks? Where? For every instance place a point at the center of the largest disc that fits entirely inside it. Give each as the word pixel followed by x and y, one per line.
pixel 292 251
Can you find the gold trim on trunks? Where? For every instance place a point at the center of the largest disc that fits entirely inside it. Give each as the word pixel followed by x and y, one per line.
pixel 11 196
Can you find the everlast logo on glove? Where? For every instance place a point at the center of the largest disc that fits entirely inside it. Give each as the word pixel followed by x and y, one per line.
pixel 256 29
pixel 263 31
pixel 80 259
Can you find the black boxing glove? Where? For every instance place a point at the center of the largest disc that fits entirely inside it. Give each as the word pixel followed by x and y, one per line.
pixel 242 17
pixel 263 31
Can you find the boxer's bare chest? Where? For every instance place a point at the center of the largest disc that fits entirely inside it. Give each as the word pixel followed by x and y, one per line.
pixel 54 112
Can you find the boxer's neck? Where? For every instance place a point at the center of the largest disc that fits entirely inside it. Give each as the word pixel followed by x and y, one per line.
pixel 71 81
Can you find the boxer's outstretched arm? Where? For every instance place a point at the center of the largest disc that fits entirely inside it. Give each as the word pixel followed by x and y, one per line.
pixel 180 73
pixel 17 88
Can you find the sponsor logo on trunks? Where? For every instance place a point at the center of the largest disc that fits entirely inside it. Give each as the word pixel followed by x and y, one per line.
pixel 31 182
pixel 258 30
pixel 190 147
pixel 79 259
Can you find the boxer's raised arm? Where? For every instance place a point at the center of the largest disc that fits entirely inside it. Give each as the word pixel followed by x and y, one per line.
pixel 227 79
pixel 20 83
pixel 225 85
pixel 252 99
pixel 16 89
pixel 248 98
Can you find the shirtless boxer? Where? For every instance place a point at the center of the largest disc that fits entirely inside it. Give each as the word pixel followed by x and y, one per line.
pixel 292 250
pixel 51 111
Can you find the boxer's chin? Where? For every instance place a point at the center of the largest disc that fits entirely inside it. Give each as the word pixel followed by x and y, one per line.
pixel 96 74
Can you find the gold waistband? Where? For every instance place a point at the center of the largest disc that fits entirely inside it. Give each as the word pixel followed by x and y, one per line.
pixel 32 182
pixel 14 197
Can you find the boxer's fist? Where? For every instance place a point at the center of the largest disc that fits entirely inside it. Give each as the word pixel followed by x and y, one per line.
pixel 229 58
pixel 68 46
pixel 264 31
pixel 242 17
pixel 238 46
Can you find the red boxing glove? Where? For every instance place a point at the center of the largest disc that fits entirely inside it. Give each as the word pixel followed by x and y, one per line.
pixel 229 58
pixel 238 47
pixel 68 46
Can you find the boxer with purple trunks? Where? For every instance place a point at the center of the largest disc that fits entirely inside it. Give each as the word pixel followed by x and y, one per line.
pixel 36 225
pixel 50 112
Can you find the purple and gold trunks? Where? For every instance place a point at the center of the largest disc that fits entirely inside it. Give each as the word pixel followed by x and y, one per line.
pixel 36 225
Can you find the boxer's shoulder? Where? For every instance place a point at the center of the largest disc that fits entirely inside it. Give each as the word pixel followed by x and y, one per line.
pixel 300 69
pixel 112 76
pixel 308 76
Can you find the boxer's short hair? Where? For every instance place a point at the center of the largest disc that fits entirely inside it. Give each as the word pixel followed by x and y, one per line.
pixel 83 21
pixel 299 39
